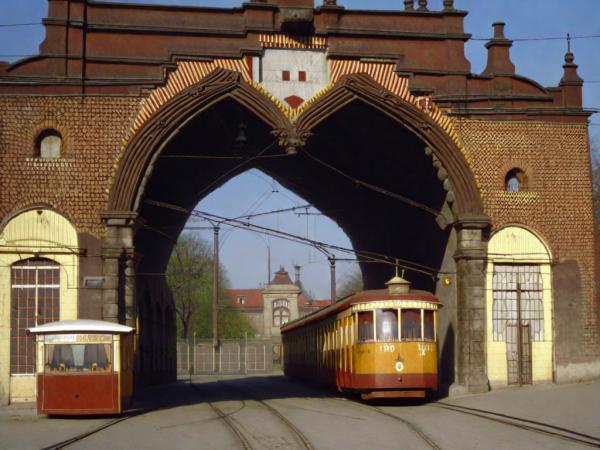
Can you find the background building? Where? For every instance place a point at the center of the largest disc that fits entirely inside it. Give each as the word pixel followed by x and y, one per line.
pixel 279 302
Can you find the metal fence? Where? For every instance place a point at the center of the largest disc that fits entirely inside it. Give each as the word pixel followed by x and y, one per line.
pixel 231 357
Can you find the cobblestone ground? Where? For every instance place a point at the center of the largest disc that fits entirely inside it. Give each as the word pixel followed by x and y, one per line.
pixel 273 412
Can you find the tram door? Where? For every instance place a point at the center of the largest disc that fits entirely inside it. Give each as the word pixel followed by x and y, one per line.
pixel 518 346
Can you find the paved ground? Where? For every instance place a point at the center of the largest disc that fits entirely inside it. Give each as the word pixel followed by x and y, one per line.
pixel 274 413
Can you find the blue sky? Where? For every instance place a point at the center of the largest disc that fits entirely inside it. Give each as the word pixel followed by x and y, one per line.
pixel 243 253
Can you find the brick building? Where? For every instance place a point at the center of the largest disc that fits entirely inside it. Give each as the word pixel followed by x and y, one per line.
pixel 480 183
pixel 279 302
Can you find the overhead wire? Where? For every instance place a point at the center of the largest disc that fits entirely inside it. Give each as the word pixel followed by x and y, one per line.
pixel 373 187
pixel 323 246
pixel 546 38
pixel 235 168
pixel 24 24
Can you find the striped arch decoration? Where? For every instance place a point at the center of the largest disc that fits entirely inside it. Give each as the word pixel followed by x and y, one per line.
pixel 189 73
pixel 287 42
pixel 186 74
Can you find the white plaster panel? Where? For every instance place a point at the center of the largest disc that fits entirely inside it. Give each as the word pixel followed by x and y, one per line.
pixel 313 62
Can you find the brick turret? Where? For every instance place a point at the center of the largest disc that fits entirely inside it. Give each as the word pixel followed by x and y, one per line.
pixel 499 62
pixel 571 83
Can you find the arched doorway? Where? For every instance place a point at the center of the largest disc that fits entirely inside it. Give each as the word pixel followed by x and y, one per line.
pixel 39 269
pixel 393 179
pixel 519 308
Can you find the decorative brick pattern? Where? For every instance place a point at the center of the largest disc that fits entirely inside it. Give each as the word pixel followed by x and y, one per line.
pixel 77 185
pixel 558 206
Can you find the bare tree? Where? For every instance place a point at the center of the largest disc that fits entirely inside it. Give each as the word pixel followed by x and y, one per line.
pixel 351 282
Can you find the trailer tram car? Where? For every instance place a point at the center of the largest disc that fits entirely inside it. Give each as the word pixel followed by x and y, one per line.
pixel 379 344
pixel 83 367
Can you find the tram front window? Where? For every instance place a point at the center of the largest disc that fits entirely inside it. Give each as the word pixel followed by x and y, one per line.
pixel 411 324
pixel 72 358
pixel 387 325
pixel 365 326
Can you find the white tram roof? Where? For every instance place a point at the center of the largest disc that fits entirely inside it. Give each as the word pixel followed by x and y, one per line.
pixel 82 325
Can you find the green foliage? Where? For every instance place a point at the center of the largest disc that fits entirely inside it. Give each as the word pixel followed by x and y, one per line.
pixel 190 278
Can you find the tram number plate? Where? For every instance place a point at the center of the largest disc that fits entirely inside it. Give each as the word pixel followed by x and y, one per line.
pixel 425 348
pixel 386 348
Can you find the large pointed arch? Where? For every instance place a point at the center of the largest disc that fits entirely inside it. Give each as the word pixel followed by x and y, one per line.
pixel 361 87
pixel 142 150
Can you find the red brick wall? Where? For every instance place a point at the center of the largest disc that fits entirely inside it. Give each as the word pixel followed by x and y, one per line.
pixel 558 203
pixel 78 183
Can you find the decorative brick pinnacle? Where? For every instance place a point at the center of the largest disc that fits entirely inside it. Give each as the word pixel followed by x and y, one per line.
pixel 448 5
pixel 423 5
pixel 409 5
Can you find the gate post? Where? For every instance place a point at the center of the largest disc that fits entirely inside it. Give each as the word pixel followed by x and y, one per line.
pixel 470 257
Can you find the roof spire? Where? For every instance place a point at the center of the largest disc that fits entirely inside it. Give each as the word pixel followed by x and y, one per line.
pixel 571 83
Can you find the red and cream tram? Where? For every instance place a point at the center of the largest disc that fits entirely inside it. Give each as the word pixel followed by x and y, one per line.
pixel 381 343
pixel 83 367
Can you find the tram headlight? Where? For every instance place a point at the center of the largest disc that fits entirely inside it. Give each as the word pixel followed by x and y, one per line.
pixel 399 366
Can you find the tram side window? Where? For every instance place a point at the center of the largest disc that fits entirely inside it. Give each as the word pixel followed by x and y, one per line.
pixel 69 358
pixel 411 324
pixel 428 325
pixel 387 325
pixel 365 326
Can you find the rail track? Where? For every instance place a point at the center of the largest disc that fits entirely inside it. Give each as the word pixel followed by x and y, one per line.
pixel 80 437
pixel 299 435
pixel 414 428
pixel 524 424
pixel 233 426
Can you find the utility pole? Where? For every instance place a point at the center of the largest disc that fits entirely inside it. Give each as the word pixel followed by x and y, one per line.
pixel 215 311
pixel 333 283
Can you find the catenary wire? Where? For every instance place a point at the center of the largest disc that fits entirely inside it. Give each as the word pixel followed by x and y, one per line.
pixel 372 187
pixel 373 256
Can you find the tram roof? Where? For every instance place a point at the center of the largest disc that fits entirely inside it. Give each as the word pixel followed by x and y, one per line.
pixel 82 325
pixel 379 295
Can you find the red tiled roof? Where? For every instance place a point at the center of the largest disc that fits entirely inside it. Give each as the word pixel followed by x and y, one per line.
pixel 305 302
pixel 252 298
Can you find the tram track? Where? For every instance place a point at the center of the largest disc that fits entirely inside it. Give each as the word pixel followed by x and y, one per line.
pixel 233 426
pixel 413 427
pixel 80 437
pixel 524 424
pixel 299 435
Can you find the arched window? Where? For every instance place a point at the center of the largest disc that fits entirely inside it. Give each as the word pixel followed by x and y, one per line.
pixel 281 312
pixel 35 286
pixel 49 144
pixel 515 180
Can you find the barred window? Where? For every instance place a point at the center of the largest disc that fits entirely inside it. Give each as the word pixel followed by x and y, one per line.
pixel 509 281
pixel 281 316
pixel 35 300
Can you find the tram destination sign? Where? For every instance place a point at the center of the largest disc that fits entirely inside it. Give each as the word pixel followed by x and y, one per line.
pixel 77 338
